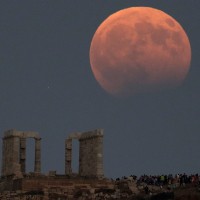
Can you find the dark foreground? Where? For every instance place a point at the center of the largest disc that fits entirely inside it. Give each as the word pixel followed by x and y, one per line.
pixel 65 188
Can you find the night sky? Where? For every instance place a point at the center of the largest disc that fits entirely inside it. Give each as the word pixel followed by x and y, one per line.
pixel 46 85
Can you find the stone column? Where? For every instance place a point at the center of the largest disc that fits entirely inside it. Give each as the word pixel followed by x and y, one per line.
pixel 11 164
pixel 99 156
pixel 14 155
pixel 23 154
pixel 68 156
pixel 84 156
pixel 37 167
pixel 3 158
pixel 91 154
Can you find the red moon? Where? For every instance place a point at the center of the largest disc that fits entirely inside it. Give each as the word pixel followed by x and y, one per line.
pixel 139 49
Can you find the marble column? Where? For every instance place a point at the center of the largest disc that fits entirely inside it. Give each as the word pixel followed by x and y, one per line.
pixel 3 158
pixel 68 156
pixel 23 154
pixel 10 156
pixel 99 156
pixel 37 167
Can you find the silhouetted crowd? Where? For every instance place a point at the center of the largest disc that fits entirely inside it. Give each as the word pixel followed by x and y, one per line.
pixel 174 181
pixel 165 180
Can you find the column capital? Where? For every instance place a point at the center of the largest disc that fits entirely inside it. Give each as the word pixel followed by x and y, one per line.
pixel 37 138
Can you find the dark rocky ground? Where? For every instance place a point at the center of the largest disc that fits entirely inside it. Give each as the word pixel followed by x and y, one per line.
pixel 189 192
pixel 119 190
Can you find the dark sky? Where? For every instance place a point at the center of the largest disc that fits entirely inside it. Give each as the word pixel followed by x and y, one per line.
pixel 46 85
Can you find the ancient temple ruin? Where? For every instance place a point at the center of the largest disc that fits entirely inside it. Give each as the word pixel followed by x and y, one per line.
pixel 15 181
pixel 90 153
pixel 14 152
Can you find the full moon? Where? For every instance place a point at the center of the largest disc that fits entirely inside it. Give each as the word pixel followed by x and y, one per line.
pixel 139 49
